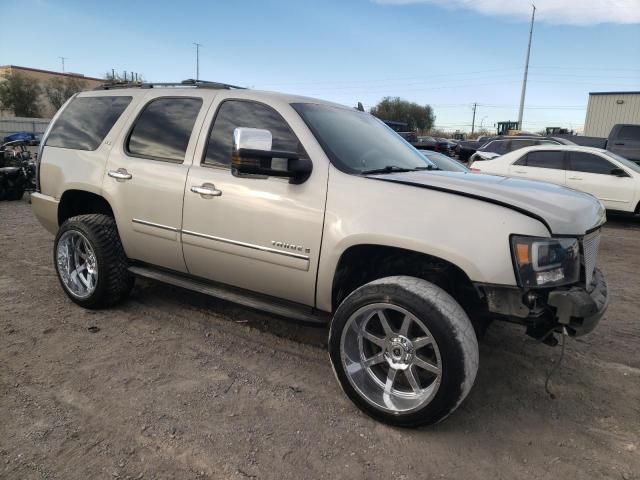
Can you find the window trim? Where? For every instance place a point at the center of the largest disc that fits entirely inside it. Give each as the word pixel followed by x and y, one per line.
pixel 213 122
pixel 127 137
pixel 130 97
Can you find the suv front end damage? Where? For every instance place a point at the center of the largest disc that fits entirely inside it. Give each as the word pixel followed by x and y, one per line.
pixel 558 286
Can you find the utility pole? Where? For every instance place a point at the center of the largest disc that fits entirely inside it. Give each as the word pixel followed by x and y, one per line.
pixel 198 45
pixel 526 70
pixel 63 59
pixel 473 121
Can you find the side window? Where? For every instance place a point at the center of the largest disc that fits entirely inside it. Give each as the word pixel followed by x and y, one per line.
pixel 588 163
pixel 630 132
pixel 86 121
pixel 545 159
pixel 517 144
pixel 502 147
pixel 163 129
pixel 241 113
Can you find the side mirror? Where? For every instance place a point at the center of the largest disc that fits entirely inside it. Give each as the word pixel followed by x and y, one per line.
pixel 618 172
pixel 253 157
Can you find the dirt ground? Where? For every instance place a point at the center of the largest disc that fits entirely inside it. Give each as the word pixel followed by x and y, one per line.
pixel 177 385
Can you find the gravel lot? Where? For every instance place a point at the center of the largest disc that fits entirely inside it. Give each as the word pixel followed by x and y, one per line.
pixel 177 385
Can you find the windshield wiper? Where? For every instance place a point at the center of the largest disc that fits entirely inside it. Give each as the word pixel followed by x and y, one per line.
pixel 396 169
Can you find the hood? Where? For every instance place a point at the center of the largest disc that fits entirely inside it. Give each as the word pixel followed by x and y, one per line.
pixel 562 210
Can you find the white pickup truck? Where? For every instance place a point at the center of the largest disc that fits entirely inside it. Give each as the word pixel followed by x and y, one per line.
pixel 320 213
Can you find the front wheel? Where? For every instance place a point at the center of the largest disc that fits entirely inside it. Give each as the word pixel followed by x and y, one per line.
pixel 404 351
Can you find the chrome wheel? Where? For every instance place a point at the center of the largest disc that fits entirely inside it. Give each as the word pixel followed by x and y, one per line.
pixel 391 358
pixel 77 264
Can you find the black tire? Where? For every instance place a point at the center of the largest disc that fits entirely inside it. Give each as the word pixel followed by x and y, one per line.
pixel 450 328
pixel 15 194
pixel 114 282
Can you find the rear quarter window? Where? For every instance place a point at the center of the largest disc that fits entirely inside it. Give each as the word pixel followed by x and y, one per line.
pixel 86 121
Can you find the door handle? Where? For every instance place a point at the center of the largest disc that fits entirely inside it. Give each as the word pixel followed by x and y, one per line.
pixel 120 174
pixel 575 178
pixel 618 143
pixel 520 171
pixel 206 190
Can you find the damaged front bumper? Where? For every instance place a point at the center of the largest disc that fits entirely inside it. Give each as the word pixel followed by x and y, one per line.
pixel 579 308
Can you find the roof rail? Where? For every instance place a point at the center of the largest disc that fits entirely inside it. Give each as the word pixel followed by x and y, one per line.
pixel 190 82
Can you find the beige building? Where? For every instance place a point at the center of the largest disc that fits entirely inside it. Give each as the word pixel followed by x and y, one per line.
pixel 43 77
pixel 606 109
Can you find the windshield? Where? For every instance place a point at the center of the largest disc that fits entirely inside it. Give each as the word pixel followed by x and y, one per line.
pixel 357 142
pixel 624 161
pixel 443 162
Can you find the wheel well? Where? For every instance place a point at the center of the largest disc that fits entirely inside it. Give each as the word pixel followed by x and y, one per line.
pixel 80 202
pixel 365 263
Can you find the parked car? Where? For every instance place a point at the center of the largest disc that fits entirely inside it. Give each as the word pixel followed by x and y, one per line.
pixel 431 143
pixel 624 140
pixel 614 180
pixel 466 148
pixel 495 148
pixel 319 213
pixel 30 137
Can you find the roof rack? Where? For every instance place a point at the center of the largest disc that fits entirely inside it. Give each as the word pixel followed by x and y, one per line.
pixel 190 82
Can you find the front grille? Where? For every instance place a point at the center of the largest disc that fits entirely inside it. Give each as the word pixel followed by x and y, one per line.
pixel 590 246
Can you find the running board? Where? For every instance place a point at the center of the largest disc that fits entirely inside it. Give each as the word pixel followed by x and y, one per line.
pixel 256 301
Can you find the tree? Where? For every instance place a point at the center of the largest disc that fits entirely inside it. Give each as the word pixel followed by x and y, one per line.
pixel 394 108
pixel 20 94
pixel 59 90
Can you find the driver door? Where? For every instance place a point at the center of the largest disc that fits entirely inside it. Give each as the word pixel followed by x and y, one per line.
pixel 260 234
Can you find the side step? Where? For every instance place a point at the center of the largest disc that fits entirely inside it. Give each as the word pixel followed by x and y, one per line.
pixel 264 303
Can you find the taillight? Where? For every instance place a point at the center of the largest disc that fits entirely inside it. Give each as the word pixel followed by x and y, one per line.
pixel 475 169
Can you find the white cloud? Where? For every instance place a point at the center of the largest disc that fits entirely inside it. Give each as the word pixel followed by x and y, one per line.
pixel 566 12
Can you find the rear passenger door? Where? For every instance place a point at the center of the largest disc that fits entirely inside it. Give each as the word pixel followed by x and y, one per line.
pixel 592 173
pixel 146 174
pixel 547 165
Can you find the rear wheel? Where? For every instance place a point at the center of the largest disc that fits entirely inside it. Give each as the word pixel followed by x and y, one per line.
pixel 90 261
pixel 404 351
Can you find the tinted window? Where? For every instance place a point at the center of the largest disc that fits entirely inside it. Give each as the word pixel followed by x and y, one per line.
pixel 586 162
pixel 86 121
pixel 630 132
pixel 236 113
pixel 544 160
pixel 517 144
pixel 497 146
pixel 163 129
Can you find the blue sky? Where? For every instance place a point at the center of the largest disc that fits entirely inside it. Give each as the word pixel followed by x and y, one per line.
pixel 351 50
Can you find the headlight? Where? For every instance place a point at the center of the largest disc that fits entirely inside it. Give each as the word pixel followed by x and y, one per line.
pixel 546 262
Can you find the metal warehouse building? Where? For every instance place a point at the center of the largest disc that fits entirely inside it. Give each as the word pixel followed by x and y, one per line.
pixel 605 109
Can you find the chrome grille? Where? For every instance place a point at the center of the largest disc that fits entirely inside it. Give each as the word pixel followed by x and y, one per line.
pixel 590 246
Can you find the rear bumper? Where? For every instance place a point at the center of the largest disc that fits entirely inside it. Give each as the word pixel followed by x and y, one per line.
pixel 45 208
pixel 581 309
